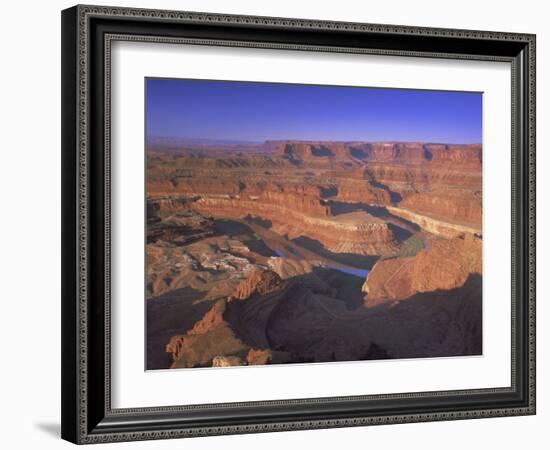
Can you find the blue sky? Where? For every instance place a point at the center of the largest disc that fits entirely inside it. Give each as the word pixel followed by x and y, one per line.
pixel 247 111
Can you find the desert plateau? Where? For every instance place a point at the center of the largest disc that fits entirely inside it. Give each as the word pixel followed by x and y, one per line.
pixel 300 251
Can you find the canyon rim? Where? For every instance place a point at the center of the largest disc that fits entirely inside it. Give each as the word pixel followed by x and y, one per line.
pixel 294 223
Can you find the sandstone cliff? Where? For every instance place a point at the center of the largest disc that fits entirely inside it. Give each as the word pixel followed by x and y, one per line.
pixel 358 233
pixel 438 227
pixel 402 152
pixel 454 205
pixel 229 334
pixel 210 338
pixel 259 282
pixel 445 265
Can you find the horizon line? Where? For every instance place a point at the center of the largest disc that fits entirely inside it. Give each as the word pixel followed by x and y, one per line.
pixel 381 141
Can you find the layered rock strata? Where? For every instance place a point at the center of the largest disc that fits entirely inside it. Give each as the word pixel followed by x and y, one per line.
pixel 454 205
pixel 445 265
pixel 410 153
pixel 435 226
pixel 358 233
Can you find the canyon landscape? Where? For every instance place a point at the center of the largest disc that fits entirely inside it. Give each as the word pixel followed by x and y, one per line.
pixel 280 251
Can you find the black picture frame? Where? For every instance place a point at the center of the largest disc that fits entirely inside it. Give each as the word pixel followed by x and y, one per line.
pixel 87 415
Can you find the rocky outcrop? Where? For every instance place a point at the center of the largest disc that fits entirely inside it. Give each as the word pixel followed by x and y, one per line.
pixel 167 205
pixel 360 191
pixel 268 200
pixel 453 205
pixel 401 152
pixel 181 228
pixel 211 320
pixel 213 266
pixel 190 186
pixel 301 151
pixel 259 282
pixel 258 357
pixel 227 361
pixel 445 265
pixel 210 337
pixel 406 178
pixel 289 268
pixel 465 157
pixel 358 232
pixel 220 338
pixel 435 226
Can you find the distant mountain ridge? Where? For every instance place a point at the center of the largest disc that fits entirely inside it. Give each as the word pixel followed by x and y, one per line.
pixel 298 150
pixel 410 152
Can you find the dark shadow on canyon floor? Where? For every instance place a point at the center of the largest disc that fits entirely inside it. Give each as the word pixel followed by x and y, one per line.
pixel 301 323
pixel 347 287
pixel 172 313
pixel 233 228
pixel 259 221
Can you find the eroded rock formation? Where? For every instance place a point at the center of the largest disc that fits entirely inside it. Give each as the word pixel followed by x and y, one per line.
pixel 438 227
pixel 260 282
pixel 445 265
pixel 453 205
pixel 359 233
pixel 210 338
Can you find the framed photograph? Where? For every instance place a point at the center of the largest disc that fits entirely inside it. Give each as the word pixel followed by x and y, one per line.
pixel 281 224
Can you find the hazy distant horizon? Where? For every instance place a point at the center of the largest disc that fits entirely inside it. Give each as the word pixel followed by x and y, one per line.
pixel 222 141
pixel 256 111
